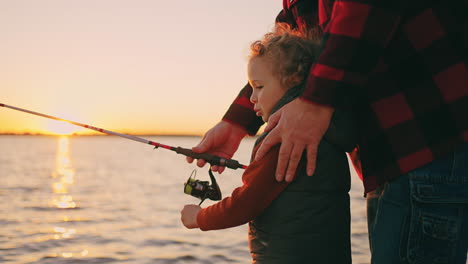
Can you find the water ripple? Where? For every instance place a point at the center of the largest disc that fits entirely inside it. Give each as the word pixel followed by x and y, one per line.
pixel 180 259
pixel 50 208
pixel 166 242
pixel 65 260
pixel 7 222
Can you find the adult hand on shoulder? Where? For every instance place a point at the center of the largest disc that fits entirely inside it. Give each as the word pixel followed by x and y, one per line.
pixel 298 125
pixel 222 140
pixel 189 215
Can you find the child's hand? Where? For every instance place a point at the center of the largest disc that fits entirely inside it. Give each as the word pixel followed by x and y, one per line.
pixel 189 215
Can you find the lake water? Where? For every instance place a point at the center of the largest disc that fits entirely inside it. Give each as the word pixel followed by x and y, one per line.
pixel 105 199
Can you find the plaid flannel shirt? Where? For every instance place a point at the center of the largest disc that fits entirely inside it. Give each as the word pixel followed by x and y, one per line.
pixel 402 66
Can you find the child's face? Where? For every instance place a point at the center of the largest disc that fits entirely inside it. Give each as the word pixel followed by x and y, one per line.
pixel 267 88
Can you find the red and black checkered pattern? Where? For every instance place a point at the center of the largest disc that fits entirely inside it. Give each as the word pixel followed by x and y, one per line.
pixel 403 64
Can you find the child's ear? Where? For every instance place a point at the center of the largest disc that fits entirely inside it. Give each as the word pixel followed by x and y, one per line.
pixel 293 80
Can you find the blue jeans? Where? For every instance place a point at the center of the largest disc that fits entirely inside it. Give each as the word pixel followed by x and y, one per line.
pixel 422 216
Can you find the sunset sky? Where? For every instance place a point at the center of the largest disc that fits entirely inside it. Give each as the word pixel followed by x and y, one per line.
pixel 140 66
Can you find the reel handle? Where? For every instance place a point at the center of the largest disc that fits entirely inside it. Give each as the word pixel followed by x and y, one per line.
pixel 211 159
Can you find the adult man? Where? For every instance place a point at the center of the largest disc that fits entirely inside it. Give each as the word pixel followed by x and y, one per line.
pixel 402 66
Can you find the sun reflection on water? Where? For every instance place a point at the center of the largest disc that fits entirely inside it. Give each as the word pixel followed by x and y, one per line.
pixel 62 232
pixel 63 180
pixel 64 173
pixel 65 202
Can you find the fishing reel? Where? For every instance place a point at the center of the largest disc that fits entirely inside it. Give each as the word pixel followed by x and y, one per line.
pixel 202 189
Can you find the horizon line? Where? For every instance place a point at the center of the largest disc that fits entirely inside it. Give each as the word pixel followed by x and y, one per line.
pixel 93 134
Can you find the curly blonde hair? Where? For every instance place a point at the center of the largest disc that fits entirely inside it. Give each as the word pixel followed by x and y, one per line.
pixel 290 53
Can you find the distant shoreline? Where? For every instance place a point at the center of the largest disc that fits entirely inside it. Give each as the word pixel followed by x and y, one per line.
pixel 99 135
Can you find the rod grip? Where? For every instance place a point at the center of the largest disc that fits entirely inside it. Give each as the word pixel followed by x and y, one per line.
pixel 211 159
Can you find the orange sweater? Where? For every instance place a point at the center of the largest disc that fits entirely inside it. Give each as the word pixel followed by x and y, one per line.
pixel 259 189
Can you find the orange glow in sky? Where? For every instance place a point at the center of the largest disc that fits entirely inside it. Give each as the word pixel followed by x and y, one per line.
pixel 61 128
pixel 137 67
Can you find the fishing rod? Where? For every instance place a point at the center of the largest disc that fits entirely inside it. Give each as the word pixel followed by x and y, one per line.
pixel 211 159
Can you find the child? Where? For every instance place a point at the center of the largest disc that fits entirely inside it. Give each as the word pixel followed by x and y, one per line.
pixel 307 220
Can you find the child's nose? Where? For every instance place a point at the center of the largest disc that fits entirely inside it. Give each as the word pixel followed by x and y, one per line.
pixel 253 98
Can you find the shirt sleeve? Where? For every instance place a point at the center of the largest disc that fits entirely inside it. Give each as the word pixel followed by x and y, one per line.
pixel 241 112
pixel 259 189
pixel 352 45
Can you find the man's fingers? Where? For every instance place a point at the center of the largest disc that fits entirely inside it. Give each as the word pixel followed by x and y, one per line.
pixel 221 169
pixel 270 140
pixel 294 159
pixel 283 158
pixel 273 121
pixel 311 159
pixel 202 146
pixel 201 163
pixel 217 168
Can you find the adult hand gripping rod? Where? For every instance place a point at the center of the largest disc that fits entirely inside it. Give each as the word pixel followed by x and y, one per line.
pixel 211 159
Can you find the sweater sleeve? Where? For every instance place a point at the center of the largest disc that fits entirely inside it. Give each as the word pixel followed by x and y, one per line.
pixel 259 189
pixel 353 42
